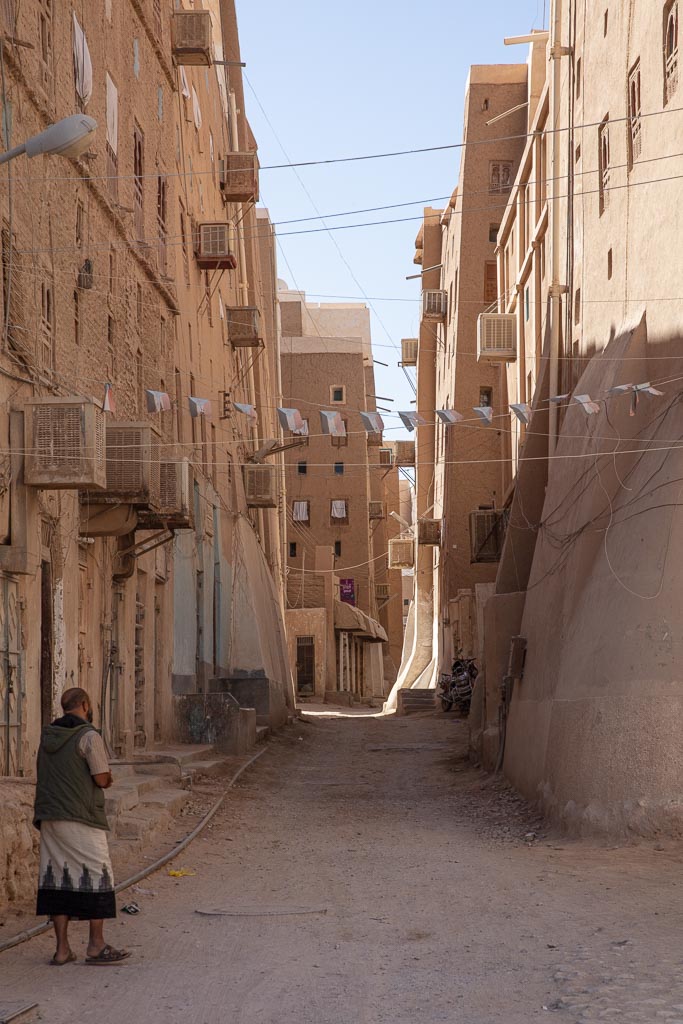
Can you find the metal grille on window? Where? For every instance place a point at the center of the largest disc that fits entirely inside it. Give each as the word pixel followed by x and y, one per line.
pixel 47 324
pixel 634 114
pixel 162 223
pixel 671 50
pixel 604 164
pixel 138 182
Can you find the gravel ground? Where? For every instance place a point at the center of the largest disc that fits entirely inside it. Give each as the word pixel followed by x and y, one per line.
pixel 364 873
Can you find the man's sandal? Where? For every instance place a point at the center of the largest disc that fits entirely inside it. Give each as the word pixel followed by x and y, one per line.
pixel 108 955
pixel 71 958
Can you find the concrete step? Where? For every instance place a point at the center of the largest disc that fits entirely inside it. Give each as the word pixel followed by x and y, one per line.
pixel 209 767
pixel 170 800
pixel 412 701
pixel 127 792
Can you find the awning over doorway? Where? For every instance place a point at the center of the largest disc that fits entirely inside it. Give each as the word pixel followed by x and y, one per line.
pixel 353 620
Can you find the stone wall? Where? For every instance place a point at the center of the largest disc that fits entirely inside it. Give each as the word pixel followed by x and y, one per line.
pixel 19 842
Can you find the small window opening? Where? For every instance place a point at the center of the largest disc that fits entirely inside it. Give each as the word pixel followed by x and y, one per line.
pixel 292 549
pixel 609 265
pixel 302 468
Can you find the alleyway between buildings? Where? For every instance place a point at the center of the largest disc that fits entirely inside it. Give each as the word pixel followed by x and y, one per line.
pixel 373 877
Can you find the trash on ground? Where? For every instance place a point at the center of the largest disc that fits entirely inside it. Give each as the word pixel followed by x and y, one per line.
pixel 181 872
pixel 143 892
pixel 131 908
pixel 281 912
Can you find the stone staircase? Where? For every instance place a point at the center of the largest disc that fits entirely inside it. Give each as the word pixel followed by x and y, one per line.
pixel 149 793
pixel 409 702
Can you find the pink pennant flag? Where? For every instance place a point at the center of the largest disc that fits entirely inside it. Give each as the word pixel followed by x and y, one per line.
pixel 559 398
pixel 589 406
pixel 522 411
pixel 485 414
pixel 109 405
pixel 449 416
pixel 199 407
pixel 332 423
pixel 157 401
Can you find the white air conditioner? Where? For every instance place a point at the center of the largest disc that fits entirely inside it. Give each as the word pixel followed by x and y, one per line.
pixel 405 453
pixel 497 337
pixel 386 457
pixel 401 553
pixel 133 463
pixel 176 492
pixel 212 247
pixel 239 177
pixel 409 351
pixel 260 486
pixel 191 37
pixel 64 441
pixel 376 510
pixel 487 534
pixel 243 326
pixel 429 532
pixel 434 304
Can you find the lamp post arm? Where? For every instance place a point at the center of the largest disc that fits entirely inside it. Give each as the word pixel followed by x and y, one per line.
pixel 11 153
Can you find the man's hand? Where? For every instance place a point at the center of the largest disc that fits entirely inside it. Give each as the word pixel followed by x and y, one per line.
pixel 103 780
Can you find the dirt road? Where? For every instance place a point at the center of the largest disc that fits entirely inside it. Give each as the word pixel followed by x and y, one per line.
pixel 372 877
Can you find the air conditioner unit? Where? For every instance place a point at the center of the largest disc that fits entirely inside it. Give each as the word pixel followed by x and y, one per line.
pixel 239 177
pixel 487 534
pixel 212 247
pixel 374 439
pixel 409 351
pixel 176 492
pixel 382 591
pixel 429 532
pixel 405 453
pixel 191 37
pixel 434 304
pixel 64 441
pixel 401 553
pixel 133 463
pixel 386 456
pixel 243 325
pixel 260 486
pixel 376 510
pixel 497 337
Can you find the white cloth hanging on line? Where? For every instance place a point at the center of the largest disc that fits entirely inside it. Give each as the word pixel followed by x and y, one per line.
pixel 339 509
pixel 82 64
pixel 300 512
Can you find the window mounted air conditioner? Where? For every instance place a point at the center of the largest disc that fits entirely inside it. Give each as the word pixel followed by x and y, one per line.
pixel 409 351
pixel 65 444
pixel 239 181
pixel 405 453
pixel 176 492
pixel 401 553
pixel 429 532
pixel 434 304
pixel 260 486
pixel 133 464
pixel 497 337
pixel 191 37
pixel 243 326
pixel 212 247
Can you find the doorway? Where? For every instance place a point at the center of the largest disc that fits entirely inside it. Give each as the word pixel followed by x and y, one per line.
pixel 305 666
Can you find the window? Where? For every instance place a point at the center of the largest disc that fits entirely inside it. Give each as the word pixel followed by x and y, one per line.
pixel 179 405
pixel 339 468
pixel 302 468
pixel 156 14
pixel 609 265
pixel 605 24
pixel 80 223
pixel 485 397
pixel 493 232
pixel 162 222
pixel 577 306
pixel 183 242
pixel 45 35
pixel 110 333
pixel 338 394
pixel 577 77
pixel 526 303
pixel 77 317
pixel 292 549
pixel 138 303
pixel 337 549
pixel 577 153
pixel 491 282
pixel 112 144
pixel 138 181
pixel 47 327
pixel 301 511
pixel 500 176
pixel 635 137
pixel 343 440
pixel 604 164
pixel 339 511
pixel 670 49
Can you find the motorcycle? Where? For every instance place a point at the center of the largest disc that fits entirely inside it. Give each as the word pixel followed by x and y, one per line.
pixel 455 688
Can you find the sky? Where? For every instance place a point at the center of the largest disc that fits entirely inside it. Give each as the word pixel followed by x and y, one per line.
pixel 327 80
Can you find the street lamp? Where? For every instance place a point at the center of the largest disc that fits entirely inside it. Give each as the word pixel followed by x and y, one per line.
pixel 69 137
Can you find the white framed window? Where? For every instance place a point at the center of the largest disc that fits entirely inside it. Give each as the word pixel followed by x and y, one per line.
pixel 337 394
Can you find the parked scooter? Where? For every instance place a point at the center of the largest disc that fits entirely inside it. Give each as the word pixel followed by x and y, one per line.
pixel 455 689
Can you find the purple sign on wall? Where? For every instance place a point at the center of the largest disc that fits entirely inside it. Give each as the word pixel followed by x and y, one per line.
pixel 347 591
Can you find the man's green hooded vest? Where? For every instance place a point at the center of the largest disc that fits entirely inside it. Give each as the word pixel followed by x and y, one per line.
pixel 65 790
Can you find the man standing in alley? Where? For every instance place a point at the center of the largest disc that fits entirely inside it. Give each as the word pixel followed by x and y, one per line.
pixel 76 879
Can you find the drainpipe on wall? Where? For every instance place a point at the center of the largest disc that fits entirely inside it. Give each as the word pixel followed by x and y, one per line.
pixel 557 289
